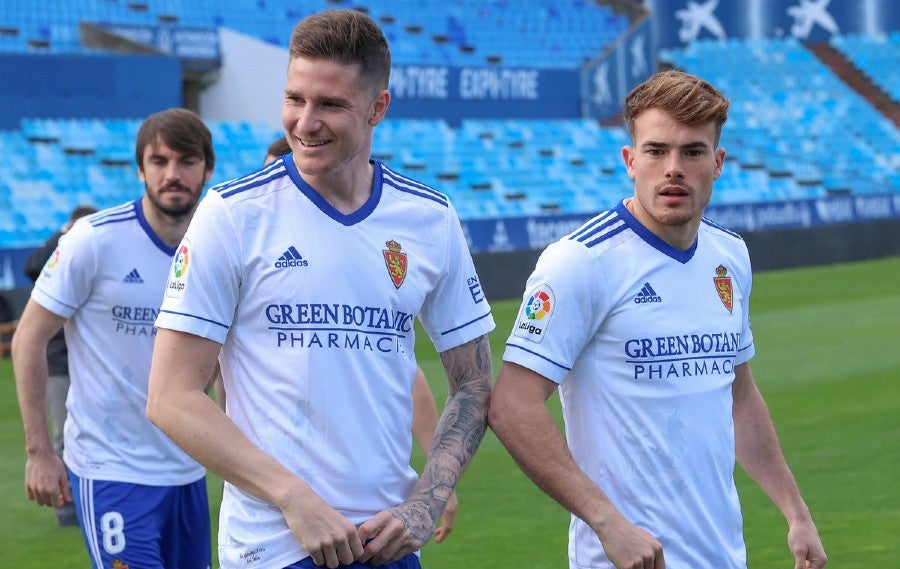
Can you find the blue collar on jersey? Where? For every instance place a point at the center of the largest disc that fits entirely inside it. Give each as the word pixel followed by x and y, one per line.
pixel 316 198
pixel 652 239
pixel 170 251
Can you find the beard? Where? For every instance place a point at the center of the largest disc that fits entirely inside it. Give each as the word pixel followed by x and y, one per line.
pixel 177 210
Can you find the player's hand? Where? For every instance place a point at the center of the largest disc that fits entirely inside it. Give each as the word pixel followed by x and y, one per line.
pixel 448 518
pixel 630 547
pixel 328 537
pixel 46 481
pixel 806 546
pixel 395 533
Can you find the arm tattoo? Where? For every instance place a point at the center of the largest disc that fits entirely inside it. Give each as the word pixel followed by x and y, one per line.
pixel 459 432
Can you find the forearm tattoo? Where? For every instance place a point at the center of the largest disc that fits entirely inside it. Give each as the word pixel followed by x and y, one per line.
pixel 459 432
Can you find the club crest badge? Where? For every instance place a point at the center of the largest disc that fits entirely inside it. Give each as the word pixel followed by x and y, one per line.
pixel 723 287
pixel 396 262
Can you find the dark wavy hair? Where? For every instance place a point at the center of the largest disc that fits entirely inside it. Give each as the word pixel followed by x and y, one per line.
pixel 181 130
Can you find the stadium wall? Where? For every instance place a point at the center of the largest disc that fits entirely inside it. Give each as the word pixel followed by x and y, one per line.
pixel 250 81
pixel 503 274
pixel 86 86
pixel 250 87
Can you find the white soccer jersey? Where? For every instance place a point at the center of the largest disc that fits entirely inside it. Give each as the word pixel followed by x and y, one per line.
pixel 107 278
pixel 315 313
pixel 643 339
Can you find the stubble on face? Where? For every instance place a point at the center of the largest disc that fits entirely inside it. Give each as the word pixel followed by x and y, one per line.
pixel 176 209
pixel 173 194
pixel 673 166
pixel 324 116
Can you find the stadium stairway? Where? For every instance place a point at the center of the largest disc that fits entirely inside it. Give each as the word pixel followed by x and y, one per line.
pixel 841 66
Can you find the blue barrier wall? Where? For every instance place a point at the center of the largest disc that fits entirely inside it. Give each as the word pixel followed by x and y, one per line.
pixel 522 233
pixel 535 233
pixel 86 86
pixel 455 93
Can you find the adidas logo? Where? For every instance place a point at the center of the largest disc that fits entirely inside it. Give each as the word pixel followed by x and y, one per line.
pixel 290 258
pixel 133 277
pixel 646 295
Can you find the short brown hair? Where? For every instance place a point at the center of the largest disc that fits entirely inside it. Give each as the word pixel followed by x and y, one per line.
pixel 348 37
pixel 181 130
pixel 279 147
pixel 687 98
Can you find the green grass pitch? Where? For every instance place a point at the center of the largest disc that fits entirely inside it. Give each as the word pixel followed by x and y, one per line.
pixel 828 363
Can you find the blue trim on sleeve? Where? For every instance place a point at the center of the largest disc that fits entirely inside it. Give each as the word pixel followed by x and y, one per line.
pixel 195 317
pixel 450 331
pixel 540 356
pixel 54 299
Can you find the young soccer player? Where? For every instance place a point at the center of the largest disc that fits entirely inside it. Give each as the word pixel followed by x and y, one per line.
pixel 641 319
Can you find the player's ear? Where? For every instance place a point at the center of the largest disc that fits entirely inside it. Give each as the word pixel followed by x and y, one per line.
pixel 720 162
pixel 628 153
pixel 379 107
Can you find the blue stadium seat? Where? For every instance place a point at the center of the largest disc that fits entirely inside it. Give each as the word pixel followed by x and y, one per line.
pixel 793 117
pixel 551 34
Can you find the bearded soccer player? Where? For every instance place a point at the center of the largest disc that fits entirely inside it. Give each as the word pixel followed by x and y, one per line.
pixel 140 500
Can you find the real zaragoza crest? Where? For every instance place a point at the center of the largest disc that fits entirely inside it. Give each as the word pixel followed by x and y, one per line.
pixel 396 262
pixel 723 287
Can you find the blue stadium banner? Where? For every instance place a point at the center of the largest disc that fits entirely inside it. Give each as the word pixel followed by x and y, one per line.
pixel 454 93
pixel 679 22
pixel 197 47
pixel 516 233
pixel 77 85
pixel 12 262
pixel 607 80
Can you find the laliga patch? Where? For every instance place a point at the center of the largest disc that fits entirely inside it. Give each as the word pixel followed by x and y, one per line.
pixel 723 287
pixel 54 259
pixel 534 316
pixel 51 264
pixel 178 275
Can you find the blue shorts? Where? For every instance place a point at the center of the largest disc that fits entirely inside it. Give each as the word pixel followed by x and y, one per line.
pixel 143 527
pixel 411 561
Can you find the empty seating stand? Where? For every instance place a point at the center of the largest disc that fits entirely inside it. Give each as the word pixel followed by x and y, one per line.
pixel 549 34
